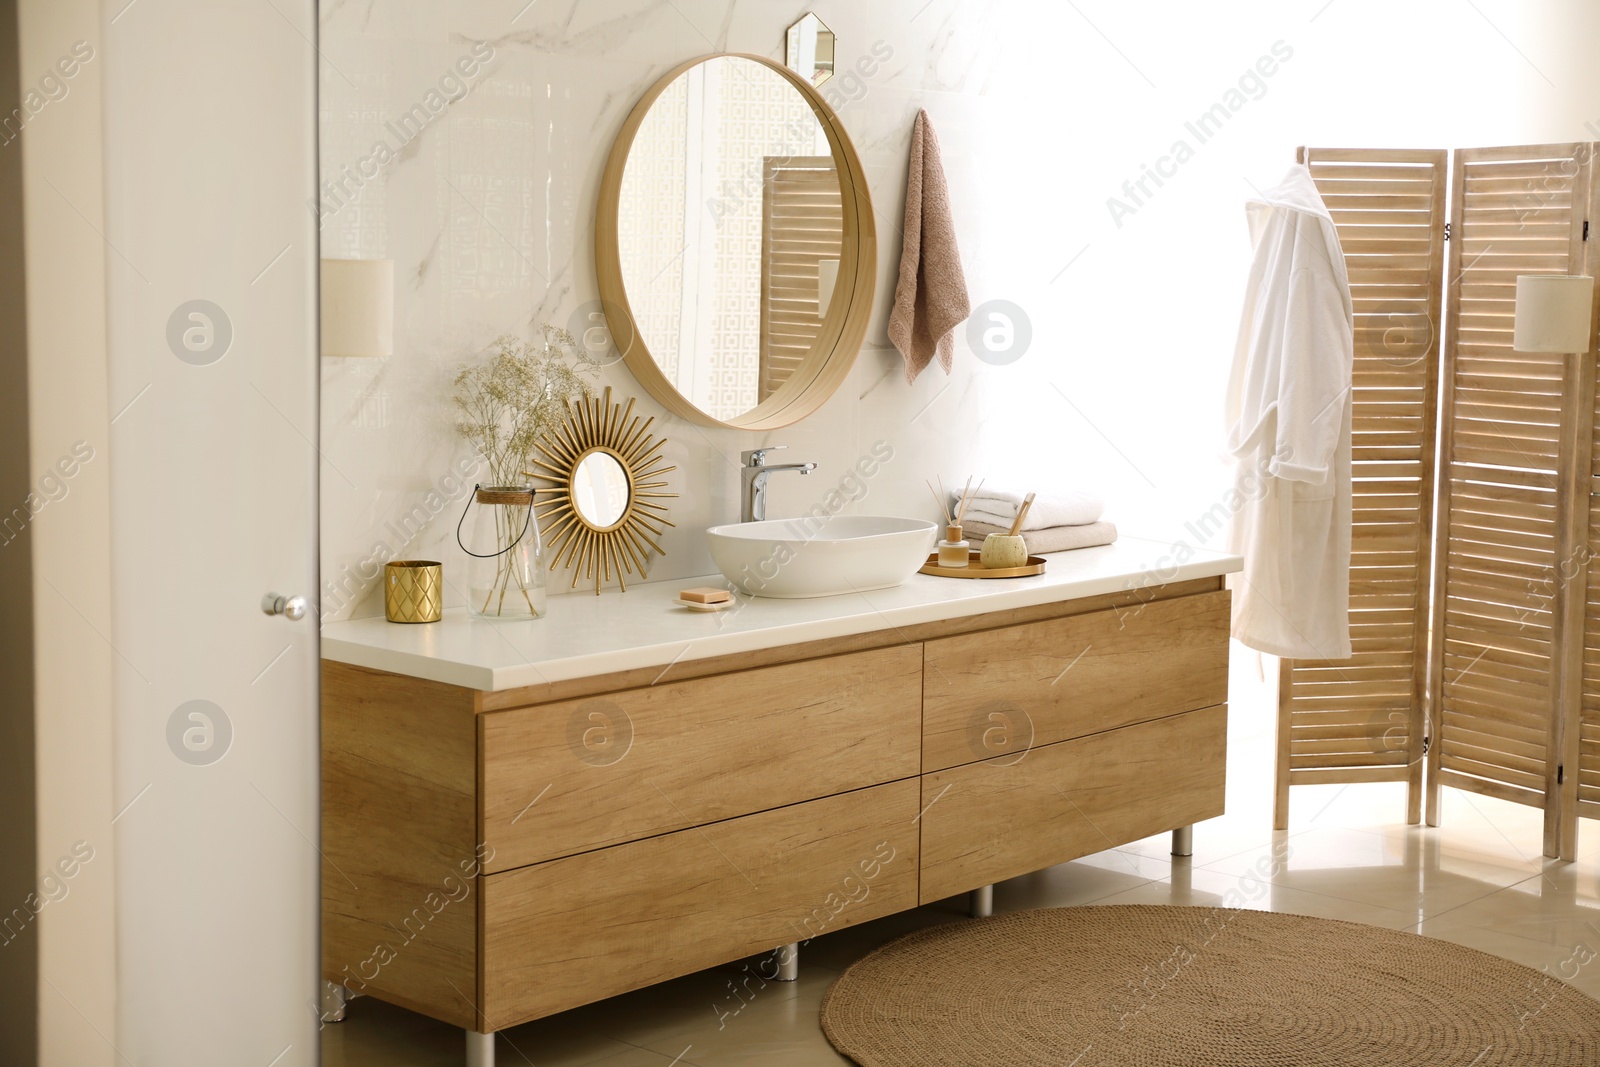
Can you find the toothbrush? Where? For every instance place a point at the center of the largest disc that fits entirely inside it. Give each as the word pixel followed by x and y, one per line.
pixel 1022 513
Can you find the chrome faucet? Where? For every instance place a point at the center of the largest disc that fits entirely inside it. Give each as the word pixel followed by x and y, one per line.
pixel 753 480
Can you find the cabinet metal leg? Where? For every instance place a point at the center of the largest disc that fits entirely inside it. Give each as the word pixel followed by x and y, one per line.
pixel 334 996
pixel 1183 841
pixel 788 957
pixel 480 1049
pixel 980 902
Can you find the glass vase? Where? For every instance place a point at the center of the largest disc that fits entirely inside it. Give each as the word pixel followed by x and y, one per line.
pixel 505 571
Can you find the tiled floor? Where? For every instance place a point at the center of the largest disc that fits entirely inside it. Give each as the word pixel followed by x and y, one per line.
pixel 1478 880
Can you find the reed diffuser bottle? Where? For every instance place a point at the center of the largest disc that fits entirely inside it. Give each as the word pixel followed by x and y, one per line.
pixel 954 551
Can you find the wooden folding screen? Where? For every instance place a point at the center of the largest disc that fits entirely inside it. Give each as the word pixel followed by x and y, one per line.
pixel 1361 719
pixel 1582 746
pixel 802 225
pixel 1518 440
pixel 1510 707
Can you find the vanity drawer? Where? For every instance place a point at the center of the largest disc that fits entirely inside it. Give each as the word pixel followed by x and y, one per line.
pixel 574 930
pixel 996 692
pixel 570 777
pixel 989 821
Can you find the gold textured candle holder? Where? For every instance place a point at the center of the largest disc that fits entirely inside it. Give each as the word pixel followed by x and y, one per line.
pixel 413 590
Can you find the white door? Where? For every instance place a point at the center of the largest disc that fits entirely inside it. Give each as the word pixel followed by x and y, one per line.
pixel 210 116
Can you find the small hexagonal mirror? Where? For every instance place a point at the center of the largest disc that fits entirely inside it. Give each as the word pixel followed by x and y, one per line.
pixel 811 47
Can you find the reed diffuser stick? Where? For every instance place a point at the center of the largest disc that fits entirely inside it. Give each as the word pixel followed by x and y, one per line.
pixel 943 502
pixel 968 498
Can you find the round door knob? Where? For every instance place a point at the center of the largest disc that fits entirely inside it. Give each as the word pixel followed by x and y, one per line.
pixel 292 608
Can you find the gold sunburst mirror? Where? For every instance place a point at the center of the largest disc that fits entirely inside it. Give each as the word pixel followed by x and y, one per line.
pixel 602 514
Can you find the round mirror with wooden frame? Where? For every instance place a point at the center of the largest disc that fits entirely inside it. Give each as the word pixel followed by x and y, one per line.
pixel 735 244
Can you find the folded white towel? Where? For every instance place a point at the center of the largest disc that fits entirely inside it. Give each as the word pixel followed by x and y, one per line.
pixel 998 507
pixel 1055 539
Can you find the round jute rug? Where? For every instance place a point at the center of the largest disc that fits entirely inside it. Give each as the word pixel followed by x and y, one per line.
pixel 1200 987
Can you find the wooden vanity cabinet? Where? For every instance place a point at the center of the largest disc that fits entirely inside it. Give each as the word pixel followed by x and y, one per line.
pixel 496 857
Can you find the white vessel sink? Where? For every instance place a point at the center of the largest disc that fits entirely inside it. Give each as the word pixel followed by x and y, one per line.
pixel 810 557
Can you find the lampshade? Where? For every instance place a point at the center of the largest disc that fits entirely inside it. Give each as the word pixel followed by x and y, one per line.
pixel 358 307
pixel 1554 313
pixel 827 281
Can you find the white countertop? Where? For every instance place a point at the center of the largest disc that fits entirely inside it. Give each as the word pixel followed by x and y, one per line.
pixel 584 635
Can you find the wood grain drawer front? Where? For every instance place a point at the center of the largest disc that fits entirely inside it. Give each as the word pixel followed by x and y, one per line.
pixel 989 821
pixel 574 930
pixel 564 778
pixel 999 691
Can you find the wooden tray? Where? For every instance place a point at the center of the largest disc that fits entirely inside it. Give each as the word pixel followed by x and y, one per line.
pixel 976 569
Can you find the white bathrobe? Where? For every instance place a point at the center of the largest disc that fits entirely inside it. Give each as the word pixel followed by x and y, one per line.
pixel 1288 411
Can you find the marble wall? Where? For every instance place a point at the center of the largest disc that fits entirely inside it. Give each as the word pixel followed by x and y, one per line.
pixel 466 140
